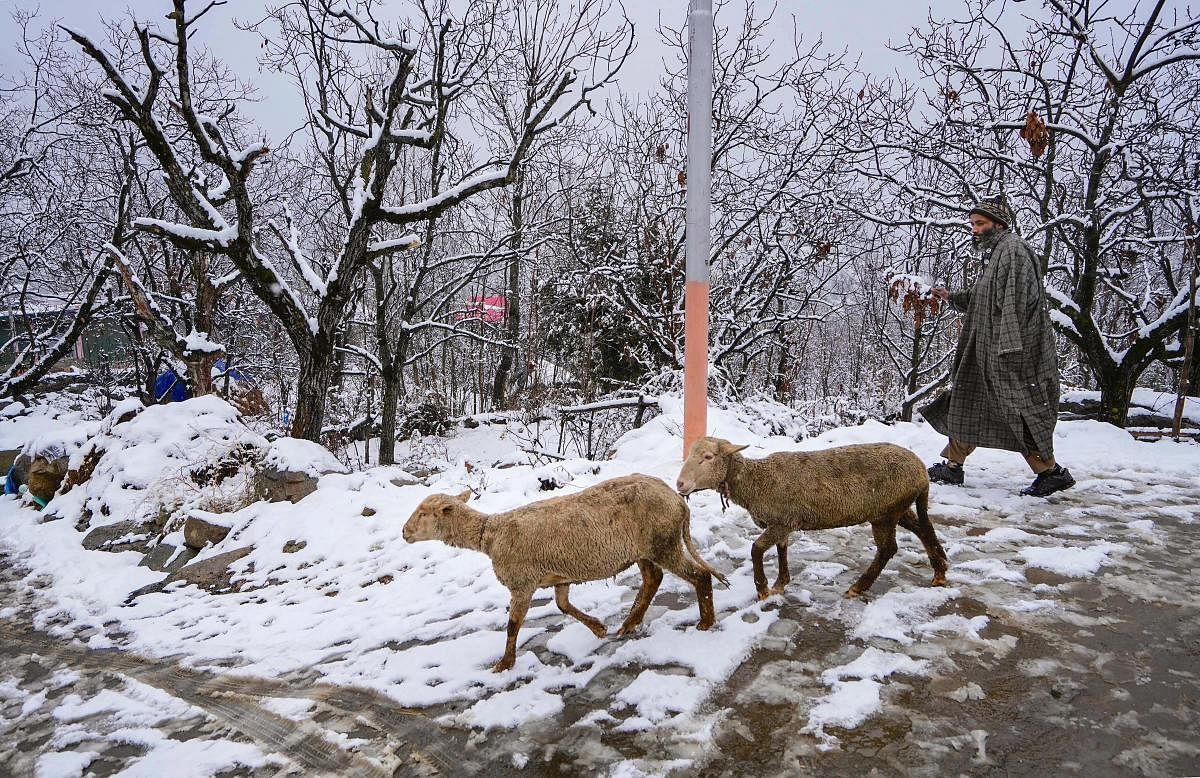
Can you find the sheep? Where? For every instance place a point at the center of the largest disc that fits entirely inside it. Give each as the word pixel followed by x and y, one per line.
pixel 587 536
pixel 836 487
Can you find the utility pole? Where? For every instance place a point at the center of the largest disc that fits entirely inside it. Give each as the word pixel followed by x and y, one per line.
pixel 1189 339
pixel 699 196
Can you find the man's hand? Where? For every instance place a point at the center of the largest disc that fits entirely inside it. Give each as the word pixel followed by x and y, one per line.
pixel 940 293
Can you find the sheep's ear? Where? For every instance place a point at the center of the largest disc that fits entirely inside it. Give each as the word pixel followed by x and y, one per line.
pixel 732 448
pixel 464 496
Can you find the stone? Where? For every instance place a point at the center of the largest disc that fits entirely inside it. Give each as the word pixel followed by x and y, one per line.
pixel 277 485
pixel 292 546
pixel 137 537
pixel 198 532
pixel 211 574
pixel 20 466
pixel 6 461
pixel 166 558
pixel 404 479
pixel 84 471
pixel 368 511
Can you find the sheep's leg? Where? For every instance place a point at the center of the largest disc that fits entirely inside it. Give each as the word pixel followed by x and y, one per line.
pixel 704 599
pixel 933 548
pixel 771 537
pixel 652 576
pixel 517 607
pixel 885 547
pixel 564 605
pixel 937 554
pixel 784 577
pixel 701 580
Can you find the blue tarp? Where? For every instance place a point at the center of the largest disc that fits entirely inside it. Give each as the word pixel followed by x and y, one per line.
pixel 168 385
pixel 234 374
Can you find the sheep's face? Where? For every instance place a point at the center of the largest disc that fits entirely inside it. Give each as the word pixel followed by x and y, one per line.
pixel 433 516
pixel 707 465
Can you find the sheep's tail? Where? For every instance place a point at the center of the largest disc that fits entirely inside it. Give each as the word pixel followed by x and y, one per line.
pixel 685 530
pixel 923 507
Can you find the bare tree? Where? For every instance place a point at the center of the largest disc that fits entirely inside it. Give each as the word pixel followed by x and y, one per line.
pixel 1084 123
pixel 374 99
pixel 776 245
pixel 65 185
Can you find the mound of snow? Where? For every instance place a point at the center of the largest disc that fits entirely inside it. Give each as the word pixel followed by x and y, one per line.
pixel 302 456
pixel 144 467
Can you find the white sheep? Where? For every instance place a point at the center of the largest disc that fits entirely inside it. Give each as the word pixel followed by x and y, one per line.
pixel 835 487
pixel 587 536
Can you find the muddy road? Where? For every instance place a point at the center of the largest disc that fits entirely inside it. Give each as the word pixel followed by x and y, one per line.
pixel 1105 680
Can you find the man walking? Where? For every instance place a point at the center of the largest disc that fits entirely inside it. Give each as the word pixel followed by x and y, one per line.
pixel 1005 380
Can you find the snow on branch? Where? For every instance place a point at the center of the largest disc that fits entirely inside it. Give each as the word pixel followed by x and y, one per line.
pixel 372 36
pixel 1061 300
pixel 291 241
pixel 1172 316
pixel 433 206
pixel 149 311
pixel 21 375
pixel 380 247
pixel 188 237
pixel 279 287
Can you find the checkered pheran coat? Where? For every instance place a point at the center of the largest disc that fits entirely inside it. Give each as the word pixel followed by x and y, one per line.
pixel 1005 375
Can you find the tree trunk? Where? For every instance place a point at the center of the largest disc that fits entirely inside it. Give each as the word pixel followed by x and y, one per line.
pixel 512 296
pixel 1194 373
pixel 1116 389
pixel 387 420
pixel 200 373
pixel 316 375
pixel 781 385
pixel 914 365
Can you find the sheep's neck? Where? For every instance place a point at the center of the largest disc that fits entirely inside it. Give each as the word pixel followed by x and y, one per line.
pixel 738 483
pixel 467 532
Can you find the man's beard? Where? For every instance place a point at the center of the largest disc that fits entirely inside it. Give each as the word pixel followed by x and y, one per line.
pixel 985 236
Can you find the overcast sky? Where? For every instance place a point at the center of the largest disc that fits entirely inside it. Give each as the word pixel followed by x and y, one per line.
pixel 863 27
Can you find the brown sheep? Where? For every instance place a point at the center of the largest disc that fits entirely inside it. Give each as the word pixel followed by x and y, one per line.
pixel 587 536
pixel 836 487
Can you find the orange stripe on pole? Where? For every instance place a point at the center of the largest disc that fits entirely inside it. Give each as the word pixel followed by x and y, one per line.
pixel 695 363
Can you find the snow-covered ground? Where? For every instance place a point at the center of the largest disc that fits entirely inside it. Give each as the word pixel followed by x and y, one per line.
pixel 331 592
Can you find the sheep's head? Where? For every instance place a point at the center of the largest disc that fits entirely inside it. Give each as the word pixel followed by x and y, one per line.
pixel 707 465
pixel 433 518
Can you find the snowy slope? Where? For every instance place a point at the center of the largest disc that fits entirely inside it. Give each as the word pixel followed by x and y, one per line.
pixel 422 623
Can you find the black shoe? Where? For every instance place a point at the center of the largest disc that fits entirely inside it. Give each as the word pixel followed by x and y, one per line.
pixel 1050 481
pixel 947 473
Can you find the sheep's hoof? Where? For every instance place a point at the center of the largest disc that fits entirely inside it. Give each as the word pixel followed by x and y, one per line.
pixel 852 592
pixel 938 580
pixel 704 625
pixel 763 594
pixel 626 629
pixel 505 663
pixel 597 629
pixel 776 589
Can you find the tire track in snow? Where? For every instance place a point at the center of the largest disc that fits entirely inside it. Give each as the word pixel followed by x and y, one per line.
pixel 407 737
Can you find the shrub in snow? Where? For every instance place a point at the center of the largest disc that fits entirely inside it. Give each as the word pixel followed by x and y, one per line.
pixel 429 417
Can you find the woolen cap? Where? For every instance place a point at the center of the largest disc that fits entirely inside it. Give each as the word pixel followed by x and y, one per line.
pixel 995 209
